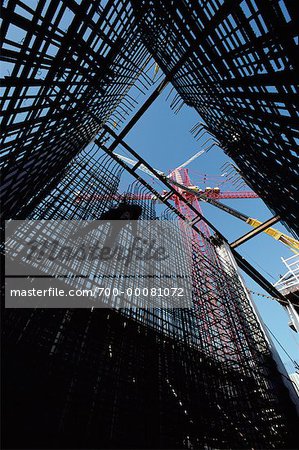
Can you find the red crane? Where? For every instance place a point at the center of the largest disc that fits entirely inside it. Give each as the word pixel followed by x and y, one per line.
pixel 180 173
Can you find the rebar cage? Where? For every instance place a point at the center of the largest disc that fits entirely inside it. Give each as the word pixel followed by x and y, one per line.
pixel 156 378
pixel 68 65
pixel 191 378
pixel 236 63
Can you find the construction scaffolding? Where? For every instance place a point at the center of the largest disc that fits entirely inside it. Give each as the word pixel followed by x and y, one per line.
pixel 236 63
pixel 196 377
pixel 67 67
pixel 288 284
pixel 157 378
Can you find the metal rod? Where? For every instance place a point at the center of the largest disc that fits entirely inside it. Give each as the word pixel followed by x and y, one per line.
pixel 242 262
pixel 256 276
pixel 139 113
pixel 263 226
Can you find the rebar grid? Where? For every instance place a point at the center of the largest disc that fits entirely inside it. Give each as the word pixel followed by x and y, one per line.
pixel 91 173
pixel 239 69
pixel 158 367
pixel 67 67
pixel 144 378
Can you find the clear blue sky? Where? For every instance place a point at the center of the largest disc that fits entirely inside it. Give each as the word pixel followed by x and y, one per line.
pixel 164 140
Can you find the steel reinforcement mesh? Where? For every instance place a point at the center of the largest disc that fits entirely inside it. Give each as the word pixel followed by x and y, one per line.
pixel 66 66
pixel 236 63
pixel 190 378
pixel 90 174
pixel 142 378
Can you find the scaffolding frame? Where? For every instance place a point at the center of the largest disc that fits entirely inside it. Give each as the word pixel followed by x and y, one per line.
pixel 190 378
pixel 138 366
pixel 235 62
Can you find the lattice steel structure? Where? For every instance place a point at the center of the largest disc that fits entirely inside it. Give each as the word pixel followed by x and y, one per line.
pixel 89 172
pixel 192 378
pixel 67 67
pixel 236 63
pixel 150 378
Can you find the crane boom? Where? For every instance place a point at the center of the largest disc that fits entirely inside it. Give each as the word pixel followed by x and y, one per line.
pixel 141 167
pixel 210 197
pixel 290 242
pixel 278 235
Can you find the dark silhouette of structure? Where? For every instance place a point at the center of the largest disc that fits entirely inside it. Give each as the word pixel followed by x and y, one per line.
pixel 202 377
pixel 68 68
pixel 236 63
pixel 150 378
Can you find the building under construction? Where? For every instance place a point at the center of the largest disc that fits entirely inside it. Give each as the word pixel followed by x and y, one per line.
pixel 200 377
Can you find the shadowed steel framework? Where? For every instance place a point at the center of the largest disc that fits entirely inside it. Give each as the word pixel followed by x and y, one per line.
pixel 198 378
pixel 67 66
pixel 152 378
pixel 236 63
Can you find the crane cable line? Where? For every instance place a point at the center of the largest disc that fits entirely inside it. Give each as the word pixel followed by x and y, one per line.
pixel 259 266
pixel 267 296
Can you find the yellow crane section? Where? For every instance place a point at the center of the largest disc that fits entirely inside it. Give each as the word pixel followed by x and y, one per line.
pixel 278 235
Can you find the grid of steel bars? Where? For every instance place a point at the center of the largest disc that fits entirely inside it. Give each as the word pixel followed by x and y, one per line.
pixel 236 62
pixel 66 68
pixel 202 378
pixel 144 375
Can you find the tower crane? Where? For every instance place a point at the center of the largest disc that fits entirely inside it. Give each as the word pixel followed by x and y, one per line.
pixel 193 192
pixel 285 239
